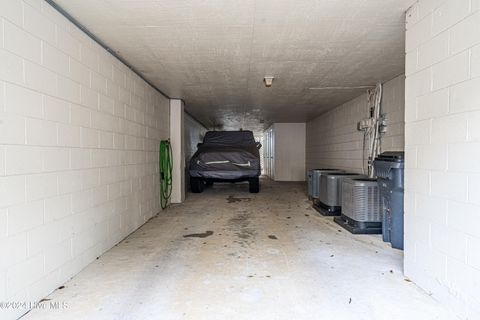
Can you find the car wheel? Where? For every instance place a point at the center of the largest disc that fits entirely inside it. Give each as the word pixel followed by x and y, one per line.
pixel 196 185
pixel 209 183
pixel 254 185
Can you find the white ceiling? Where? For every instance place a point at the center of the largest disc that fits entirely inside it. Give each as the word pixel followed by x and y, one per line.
pixel 215 53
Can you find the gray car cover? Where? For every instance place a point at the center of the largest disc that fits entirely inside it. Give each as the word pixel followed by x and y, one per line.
pixel 226 155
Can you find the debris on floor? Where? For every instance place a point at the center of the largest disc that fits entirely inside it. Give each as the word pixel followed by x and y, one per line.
pixel 199 235
pixel 232 199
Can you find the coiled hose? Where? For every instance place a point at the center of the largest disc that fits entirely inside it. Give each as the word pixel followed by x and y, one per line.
pixel 165 163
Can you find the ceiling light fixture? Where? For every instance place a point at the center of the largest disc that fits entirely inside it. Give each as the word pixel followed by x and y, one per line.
pixel 268 81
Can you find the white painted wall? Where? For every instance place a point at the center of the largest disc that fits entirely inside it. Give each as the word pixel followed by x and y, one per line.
pixel 178 150
pixel 289 151
pixel 333 140
pixel 194 133
pixel 79 136
pixel 442 202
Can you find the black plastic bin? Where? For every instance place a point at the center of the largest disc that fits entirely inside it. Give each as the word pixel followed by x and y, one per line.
pixel 389 168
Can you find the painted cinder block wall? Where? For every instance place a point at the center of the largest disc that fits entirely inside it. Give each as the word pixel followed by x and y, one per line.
pixel 194 133
pixel 442 178
pixel 79 136
pixel 333 140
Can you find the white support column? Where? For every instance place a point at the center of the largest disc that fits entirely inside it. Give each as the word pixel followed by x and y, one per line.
pixel 178 150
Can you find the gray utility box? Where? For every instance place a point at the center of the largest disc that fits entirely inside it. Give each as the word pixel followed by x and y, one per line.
pixel 361 209
pixel 331 192
pixel 314 181
pixel 389 168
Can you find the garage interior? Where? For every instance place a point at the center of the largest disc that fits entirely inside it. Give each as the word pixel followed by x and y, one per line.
pixel 89 89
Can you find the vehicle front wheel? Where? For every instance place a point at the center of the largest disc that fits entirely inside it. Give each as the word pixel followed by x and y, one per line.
pixel 209 183
pixel 254 185
pixel 196 185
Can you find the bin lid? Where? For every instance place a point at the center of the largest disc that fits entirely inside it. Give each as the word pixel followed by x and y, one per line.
pixel 321 170
pixel 344 174
pixel 391 156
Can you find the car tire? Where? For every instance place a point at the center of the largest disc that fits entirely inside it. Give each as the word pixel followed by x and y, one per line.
pixel 196 185
pixel 209 183
pixel 254 185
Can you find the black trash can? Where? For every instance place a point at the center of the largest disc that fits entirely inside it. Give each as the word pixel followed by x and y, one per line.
pixel 389 168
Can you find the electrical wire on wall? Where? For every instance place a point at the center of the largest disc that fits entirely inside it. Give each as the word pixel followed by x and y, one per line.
pixel 364 151
pixel 165 165
pixel 372 134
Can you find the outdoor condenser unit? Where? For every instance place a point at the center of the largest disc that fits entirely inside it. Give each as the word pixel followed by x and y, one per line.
pixel 314 176
pixel 361 209
pixel 330 203
pixel 310 183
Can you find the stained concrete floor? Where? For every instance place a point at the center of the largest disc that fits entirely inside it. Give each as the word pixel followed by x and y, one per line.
pixel 228 254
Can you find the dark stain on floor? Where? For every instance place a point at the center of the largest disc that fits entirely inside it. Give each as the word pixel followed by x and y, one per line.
pixel 244 234
pixel 199 235
pixel 240 225
pixel 233 199
pixel 239 220
pixel 273 237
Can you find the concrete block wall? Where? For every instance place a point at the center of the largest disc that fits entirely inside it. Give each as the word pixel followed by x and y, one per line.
pixel 79 135
pixel 442 234
pixel 333 140
pixel 194 133
pixel 177 143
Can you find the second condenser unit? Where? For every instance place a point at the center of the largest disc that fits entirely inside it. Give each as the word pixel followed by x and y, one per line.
pixel 314 176
pixel 330 200
pixel 361 208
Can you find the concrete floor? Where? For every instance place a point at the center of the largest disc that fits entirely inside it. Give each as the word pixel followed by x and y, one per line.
pixel 228 254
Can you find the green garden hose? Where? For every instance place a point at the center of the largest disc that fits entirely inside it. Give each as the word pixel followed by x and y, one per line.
pixel 165 163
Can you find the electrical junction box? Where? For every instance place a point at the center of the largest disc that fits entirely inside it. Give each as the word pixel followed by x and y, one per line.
pixel 365 124
pixel 383 123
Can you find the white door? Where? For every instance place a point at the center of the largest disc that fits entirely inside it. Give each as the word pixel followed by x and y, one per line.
pixel 272 154
pixel 266 162
pixel 269 153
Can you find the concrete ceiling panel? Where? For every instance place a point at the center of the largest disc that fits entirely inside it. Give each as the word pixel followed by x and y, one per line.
pixel 215 53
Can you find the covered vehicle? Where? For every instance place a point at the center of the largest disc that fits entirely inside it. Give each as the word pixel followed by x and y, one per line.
pixel 226 156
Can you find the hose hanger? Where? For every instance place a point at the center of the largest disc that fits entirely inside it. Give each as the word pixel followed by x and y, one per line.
pixel 165 166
